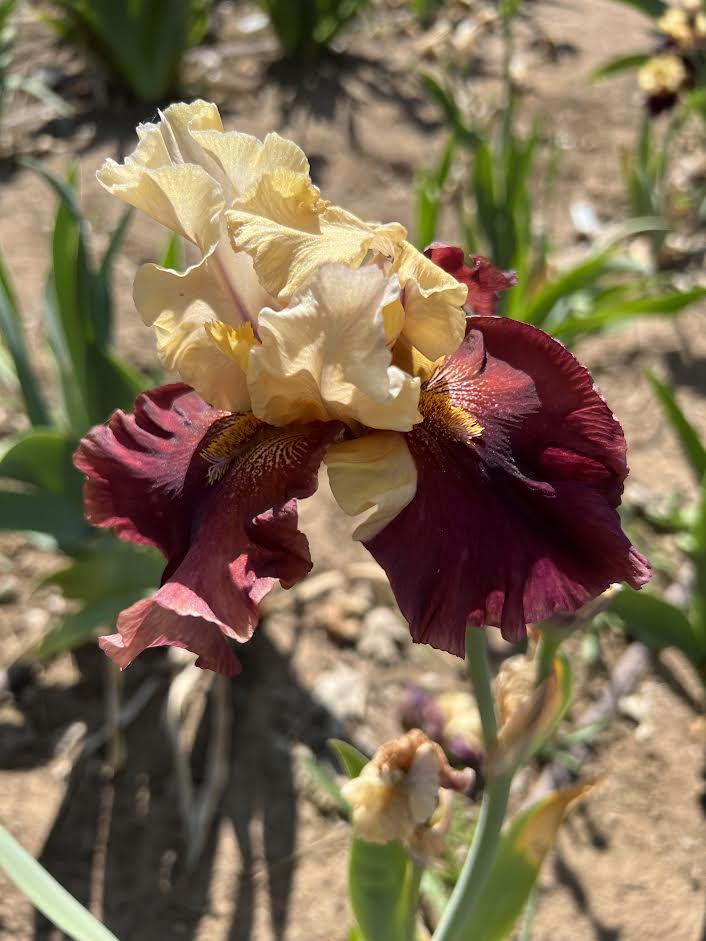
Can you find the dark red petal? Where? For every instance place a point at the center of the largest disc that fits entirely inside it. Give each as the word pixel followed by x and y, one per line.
pixel 518 523
pixel 135 467
pixel 225 502
pixel 484 281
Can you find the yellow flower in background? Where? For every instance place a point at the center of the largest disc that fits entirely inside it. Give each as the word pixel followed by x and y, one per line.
pixel 662 75
pixel 690 6
pixel 676 24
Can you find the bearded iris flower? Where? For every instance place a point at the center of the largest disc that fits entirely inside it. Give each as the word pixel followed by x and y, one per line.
pixel 677 62
pixel 488 465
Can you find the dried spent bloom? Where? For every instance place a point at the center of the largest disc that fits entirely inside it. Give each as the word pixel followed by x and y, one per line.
pixel 402 794
pixel 514 683
pixel 486 467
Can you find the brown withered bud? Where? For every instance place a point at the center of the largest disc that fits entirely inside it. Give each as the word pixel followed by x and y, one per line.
pixel 403 794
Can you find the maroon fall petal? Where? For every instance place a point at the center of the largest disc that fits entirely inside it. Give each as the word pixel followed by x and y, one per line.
pixel 136 464
pixel 220 503
pixel 484 281
pixel 518 522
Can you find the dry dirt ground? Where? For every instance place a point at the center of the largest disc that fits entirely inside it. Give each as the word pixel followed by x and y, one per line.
pixel 630 864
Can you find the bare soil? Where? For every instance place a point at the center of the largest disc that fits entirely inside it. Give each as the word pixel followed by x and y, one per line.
pixel 630 863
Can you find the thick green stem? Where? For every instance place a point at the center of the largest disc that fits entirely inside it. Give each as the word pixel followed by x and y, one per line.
pixel 479 670
pixel 455 924
pixel 547 647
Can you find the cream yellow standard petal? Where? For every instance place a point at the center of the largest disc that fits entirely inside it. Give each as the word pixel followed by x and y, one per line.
pixel 325 356
pixel 178 306
pixel 182 197
pixel 435 322
pixel 180 125
pixel 242 159
pixel 289 231
pixel 374 472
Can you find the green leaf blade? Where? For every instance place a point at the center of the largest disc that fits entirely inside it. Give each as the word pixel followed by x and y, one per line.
pixel 13 335
pixel 656 622
pixel 43 512
pixel 689 440
pixel 517 863
pixel 352 761
pixel 43 458
pixel 624 63
pixel 383 886
pixel 47 895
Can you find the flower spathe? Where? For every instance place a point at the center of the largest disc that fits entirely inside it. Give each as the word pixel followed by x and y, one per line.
pixel 489 467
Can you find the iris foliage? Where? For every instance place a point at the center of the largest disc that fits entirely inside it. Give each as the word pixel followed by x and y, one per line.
pixel 501 181
pixel 659 621
pixel 84 381
pixel 305 28
pixel 140 43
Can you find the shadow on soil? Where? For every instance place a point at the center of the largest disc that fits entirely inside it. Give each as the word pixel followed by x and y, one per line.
pixel 120 839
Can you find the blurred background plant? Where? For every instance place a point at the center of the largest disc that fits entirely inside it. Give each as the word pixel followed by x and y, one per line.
pixel 85 380
pixel 426 10
pixel 501 182
pixel 140 43
pixel 11 82
pixel 675 617
pixel 306 28
pixel 676 65
pixel 672 79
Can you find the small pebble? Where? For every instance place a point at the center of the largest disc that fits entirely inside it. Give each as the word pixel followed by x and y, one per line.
pixel 36 619
pixel 382 636
pixel 357 601
pixel 316 586
pixel 9 589
pixel 332 616
pixel 342 691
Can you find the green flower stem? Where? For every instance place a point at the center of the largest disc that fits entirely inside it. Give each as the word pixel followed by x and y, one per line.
pixel 547 647
pixel 479 670
pixel 456 922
